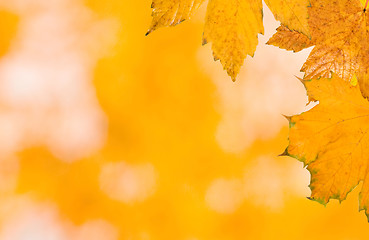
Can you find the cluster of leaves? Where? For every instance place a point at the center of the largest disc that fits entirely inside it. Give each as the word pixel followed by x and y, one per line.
pixel 233 25
pixel 330 139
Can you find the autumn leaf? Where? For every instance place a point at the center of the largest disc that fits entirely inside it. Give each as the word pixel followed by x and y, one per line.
pixel 339 32
pixel 332 140
pixel 289 40
pixel 232 25
pixel 292 14
pixel 171 12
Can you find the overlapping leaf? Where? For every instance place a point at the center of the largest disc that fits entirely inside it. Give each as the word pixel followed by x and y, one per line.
pixel 339 31
pixel 232 25
pixel 290 40
pixel 171 12
pixel 332 139
pixel 291 13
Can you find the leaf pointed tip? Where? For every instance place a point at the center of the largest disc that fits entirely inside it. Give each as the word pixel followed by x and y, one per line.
pixel 148 32
pixel 231 73
pixel 300 79
pixel 287 117
pixel 318 200
pixel 204 41
pixel 285 153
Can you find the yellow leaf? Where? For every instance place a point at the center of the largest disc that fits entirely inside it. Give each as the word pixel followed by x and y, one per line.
pixel 171 12
pixel 332 139
pixel 339 31
pixel 292 13
pixel 232 26
pixel 325 59
pixel 289 40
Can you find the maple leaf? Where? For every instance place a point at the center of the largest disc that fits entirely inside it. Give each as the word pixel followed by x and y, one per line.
pixel 339 31
pixel 332 140
pixel 292 14
pixel 232 25
pixel 289 40
pixel 171 12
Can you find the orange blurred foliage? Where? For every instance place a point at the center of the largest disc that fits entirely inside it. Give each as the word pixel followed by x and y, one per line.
pixel 161 172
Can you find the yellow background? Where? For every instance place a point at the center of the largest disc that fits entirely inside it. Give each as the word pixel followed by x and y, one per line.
pixel 164 99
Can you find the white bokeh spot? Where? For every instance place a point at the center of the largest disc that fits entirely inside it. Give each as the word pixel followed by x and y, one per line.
pixel 46 77
pixel 128 183
pixel 224 195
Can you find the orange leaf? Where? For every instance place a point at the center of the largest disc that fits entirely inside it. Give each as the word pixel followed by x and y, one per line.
pixel 289 40
pixel 339 31
pixel 232 26
pixel 332 140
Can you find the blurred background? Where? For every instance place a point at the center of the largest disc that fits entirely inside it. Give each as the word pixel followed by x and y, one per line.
pixel 106 134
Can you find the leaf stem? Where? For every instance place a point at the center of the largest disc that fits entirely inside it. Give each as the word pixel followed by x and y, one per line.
pixel 366 4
